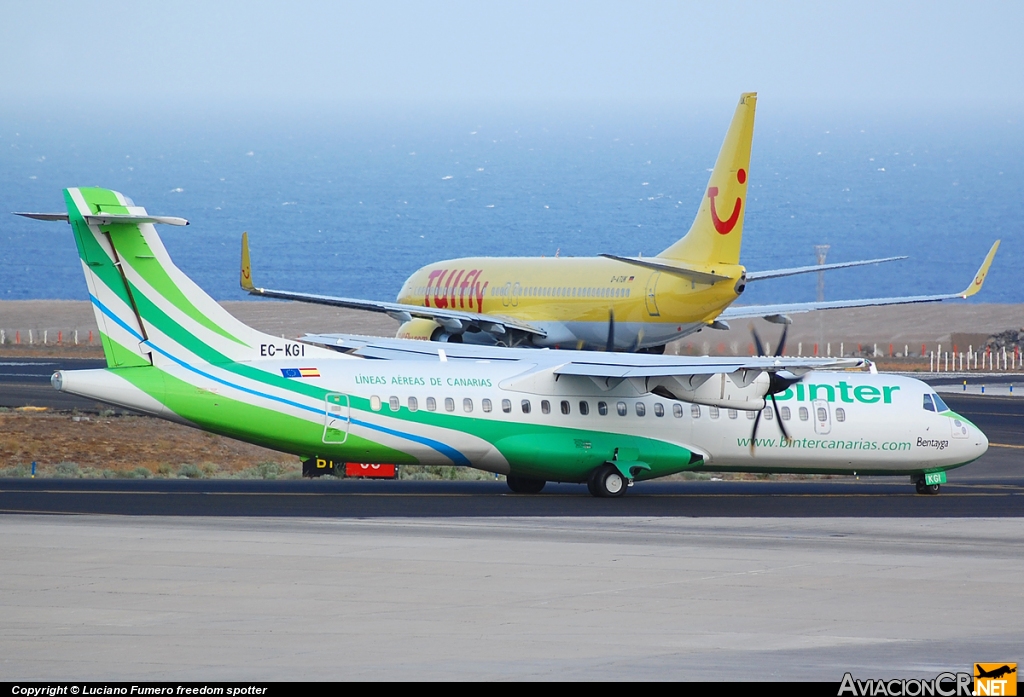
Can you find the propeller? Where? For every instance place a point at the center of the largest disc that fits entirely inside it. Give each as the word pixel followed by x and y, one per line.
pixel 610 344
pixel 777 383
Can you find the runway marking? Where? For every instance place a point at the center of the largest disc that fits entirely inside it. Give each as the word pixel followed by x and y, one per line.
pixel 481 495
pixel 1005 445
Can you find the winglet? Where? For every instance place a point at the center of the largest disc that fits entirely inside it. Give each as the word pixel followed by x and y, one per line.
pixel 979 278
pixel 245 274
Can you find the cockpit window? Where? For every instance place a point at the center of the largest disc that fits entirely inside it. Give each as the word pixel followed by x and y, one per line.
pixel 939 404
pixel 928 403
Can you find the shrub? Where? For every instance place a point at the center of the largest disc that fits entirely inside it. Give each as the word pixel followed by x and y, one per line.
pixel 67 470
pixel 16 471
pixel 190 471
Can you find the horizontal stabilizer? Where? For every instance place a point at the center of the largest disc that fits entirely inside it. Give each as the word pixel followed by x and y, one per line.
pixel 110 218
pixel 674 268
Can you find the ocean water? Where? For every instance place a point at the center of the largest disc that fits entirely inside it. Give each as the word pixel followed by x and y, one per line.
pixel 352 203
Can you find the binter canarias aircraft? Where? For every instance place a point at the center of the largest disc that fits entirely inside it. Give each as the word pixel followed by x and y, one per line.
pixel 607 419
pixel 608 302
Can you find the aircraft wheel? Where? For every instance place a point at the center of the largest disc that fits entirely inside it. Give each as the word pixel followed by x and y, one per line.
pixel 608 482
pixel 929 489
pixel 524 485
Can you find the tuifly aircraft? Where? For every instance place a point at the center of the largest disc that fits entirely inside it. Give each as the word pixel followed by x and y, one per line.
pixel 600 418
pixel 570 302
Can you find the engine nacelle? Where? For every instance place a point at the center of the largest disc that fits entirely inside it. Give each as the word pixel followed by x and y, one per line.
pixel 744 390
pixel 426 330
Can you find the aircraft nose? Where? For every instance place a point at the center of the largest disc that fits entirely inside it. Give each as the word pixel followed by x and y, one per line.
pixel 980 442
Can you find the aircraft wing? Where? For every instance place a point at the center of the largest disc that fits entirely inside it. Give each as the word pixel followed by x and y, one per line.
pixel 778 312
pixel 593 364
pixel 780 273
pixel 677 269
pixel 456 321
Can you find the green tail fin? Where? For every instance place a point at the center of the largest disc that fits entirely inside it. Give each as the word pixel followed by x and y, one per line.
pixel 138 294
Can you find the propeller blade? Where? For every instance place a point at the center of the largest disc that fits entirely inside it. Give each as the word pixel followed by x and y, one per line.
pixel 778 418
pixel 610 344
pixel 753 434
pixel 782 341
pixel 757 341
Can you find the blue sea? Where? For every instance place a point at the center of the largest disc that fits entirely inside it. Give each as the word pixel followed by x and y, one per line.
pixel 351 201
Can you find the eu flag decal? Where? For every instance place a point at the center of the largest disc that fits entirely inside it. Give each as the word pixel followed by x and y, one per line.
pixel 300 372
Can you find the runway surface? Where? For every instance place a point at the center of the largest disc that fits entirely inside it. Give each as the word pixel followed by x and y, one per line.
pixel 618 598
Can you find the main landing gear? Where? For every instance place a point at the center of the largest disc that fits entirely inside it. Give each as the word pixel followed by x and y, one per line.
pixel 928 489
pixel 524 485
pixel 607 482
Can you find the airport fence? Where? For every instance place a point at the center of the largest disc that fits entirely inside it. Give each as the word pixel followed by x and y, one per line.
pixel 46 337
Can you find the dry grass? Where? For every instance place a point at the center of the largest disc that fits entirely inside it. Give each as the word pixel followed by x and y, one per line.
pixel 118 445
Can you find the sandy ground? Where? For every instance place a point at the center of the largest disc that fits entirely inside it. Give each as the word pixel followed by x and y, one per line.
pixel 906 325
pixel 120 444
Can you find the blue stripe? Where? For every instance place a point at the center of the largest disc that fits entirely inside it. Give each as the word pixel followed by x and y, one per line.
pixel 451 453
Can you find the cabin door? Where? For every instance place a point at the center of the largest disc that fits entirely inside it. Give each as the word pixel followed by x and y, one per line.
pixel 652 289
pixel 336 418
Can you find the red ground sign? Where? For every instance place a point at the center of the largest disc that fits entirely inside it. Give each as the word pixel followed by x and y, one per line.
pixel 359 469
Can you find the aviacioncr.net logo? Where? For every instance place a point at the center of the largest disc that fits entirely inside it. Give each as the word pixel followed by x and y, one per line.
pixel 943 685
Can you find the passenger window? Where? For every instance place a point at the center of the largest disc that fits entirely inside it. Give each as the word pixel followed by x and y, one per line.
pixel 621 408
pixel 375 403
pixel 928 403
pixel 545 406
pixel 526 406
pixel 467 405
pixel 785 413
pixel 602 408
pixel 769 413
pixel 822 414
pixel 584 408
pixel 803 414
pixel 564 406
pixel 659 409
pixel 714 412
pixel 449 404
pixel 431 404
pixel 751 415
pixel 695 411
pixel 677 410
pixel 485 404
pixel 394 404
pixel 413 404
pixel 641 409
pixel 733 413
pixel 840 414
pixel 506 406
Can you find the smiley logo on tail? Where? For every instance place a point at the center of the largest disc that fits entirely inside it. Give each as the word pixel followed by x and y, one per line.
pixel 724 227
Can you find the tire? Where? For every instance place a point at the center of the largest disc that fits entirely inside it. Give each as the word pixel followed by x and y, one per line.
pixel 927 489
pixel 608 482
pixel 524 485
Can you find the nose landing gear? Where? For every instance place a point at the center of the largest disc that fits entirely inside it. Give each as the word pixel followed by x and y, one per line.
pixel 924 487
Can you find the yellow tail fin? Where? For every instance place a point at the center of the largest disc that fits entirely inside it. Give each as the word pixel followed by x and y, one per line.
pixel 717 230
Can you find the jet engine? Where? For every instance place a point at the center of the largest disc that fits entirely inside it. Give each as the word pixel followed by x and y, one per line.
pixel 427 330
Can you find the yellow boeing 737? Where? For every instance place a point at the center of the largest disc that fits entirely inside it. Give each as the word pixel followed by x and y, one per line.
pixel 610 302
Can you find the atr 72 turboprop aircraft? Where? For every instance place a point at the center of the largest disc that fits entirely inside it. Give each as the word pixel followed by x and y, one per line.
pixel 609 302
pixel 606 419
